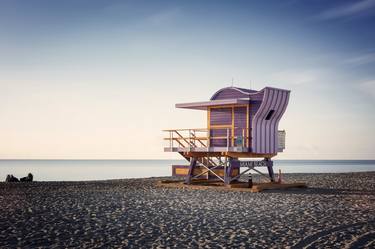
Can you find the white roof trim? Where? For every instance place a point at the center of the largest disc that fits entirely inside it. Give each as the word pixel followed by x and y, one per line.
pixel 204 104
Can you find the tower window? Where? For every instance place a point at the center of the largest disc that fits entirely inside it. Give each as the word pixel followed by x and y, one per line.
pixel 269 115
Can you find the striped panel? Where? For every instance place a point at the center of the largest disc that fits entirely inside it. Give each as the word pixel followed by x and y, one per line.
pixel 254 107
pixel 264 132
pixel 221 116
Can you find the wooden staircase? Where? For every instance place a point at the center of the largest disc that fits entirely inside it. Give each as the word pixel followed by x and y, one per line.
pixel 207 161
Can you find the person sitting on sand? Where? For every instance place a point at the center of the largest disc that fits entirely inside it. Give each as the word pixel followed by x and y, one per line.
pixel 28 178
pixel 11 178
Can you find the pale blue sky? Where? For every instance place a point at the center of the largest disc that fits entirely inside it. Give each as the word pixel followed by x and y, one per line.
pixel 99 79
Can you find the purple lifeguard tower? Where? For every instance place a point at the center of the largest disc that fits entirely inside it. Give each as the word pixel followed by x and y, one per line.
pixel 241 124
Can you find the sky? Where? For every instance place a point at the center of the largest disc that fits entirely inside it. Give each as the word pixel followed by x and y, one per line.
pixel 88 79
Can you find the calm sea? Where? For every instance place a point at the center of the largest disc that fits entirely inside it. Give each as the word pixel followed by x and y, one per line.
pixel 75 170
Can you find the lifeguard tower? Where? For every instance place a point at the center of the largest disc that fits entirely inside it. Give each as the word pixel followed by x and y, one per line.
pixel 242 124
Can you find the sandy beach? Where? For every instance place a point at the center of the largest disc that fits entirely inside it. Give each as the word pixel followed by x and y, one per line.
pixel 337 210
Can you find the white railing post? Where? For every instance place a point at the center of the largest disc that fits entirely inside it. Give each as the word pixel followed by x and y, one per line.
pixel 194 138
pixel 227 138
pixel 208 137
pixel 243 137
pixel 171 139
pixel 189 138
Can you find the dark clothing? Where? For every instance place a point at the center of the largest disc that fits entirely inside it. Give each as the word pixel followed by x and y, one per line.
pixel 11 178
pixel 28 178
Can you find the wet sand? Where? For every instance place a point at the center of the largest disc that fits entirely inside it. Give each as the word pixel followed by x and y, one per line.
pixel 337 210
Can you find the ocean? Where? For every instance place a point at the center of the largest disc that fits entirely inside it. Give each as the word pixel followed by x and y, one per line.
pixel 78 170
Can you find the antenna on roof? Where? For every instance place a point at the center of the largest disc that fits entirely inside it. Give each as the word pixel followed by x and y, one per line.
pixel 232 81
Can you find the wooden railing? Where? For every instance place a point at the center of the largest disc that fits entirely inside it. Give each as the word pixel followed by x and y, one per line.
pixel 202 137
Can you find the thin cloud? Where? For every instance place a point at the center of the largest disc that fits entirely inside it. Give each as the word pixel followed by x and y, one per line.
pixel 368 87
pixel 165 16
pixel 296 77
pixel 361 59
pixel 349 10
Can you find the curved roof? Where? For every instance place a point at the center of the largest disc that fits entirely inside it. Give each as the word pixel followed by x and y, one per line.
pixel 229 96
pixel 245 92
pixel 238 89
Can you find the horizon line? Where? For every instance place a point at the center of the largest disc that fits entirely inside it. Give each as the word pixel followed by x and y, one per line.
pixel 157 159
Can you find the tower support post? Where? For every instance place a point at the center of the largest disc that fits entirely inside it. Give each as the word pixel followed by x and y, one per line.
pixel 270 169
pixel 193 163
pixel 232 162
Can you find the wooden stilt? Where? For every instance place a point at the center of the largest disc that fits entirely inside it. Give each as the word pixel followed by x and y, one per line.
pixel 193 163
pixel 229 170
pixel 270 171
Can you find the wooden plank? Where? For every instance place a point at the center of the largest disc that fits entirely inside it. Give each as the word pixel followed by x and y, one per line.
pixel 186 129
pixel 202 154
pixel 258 187
pixel 204 184
pixel 198 138
pixel 220 126
pixel 248 154
pixel 184 138
pixel 269 186
pixel 202 129
pixel 238 185
pixel 228 154
pixel 228 106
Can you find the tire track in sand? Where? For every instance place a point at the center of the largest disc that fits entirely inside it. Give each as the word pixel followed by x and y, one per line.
pixel 312 239
pixel 364 240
